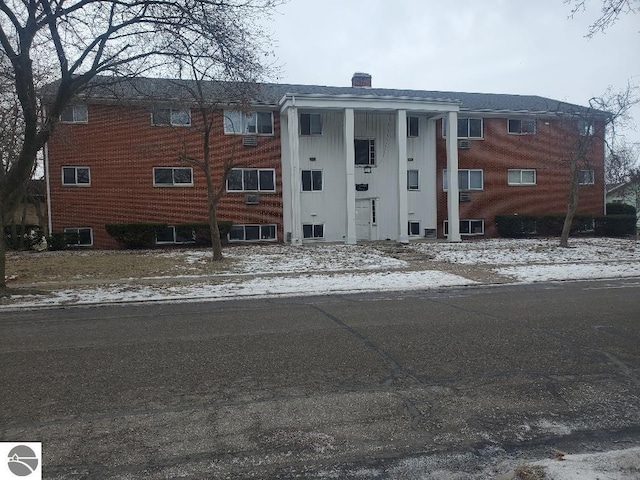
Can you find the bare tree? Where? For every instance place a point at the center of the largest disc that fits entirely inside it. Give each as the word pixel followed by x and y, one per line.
pixel 596 126
pixel 208 97
pixel 610 12
pixel 87 38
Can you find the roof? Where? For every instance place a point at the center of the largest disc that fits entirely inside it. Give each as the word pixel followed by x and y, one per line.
pixel 145 89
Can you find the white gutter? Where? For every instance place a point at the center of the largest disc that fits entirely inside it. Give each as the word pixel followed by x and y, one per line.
pixel 48 184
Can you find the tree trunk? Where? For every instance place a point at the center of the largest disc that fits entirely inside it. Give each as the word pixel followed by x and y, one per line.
pixel 3 257
pixel 216 244
pixel 572 205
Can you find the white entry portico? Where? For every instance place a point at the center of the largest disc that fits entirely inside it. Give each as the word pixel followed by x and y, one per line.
pixel 346 157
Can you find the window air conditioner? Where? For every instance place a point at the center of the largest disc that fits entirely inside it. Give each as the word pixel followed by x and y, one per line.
pixel 465 196
pixel 252 199
pixel 464 144
pixel 250 141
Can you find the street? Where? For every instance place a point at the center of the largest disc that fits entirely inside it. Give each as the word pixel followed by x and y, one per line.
pixel 286 387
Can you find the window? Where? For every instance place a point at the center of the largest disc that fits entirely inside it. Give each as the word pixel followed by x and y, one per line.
pixel 467 127
pixel 521 177
pixel 311 180
pixel 310 124
pixel 586 177
pixel 365 151
pixel 467 180
pixel 414 229
pixel 521 126
pixel 171 116
pixel 413 127
pixel 172 177
pixel 238 122
pixel 75 114
pixel 79 176
pixel 467 227
pixel 251 180
pixel 313 230
pixel 585 127
pixel 79 237
pixel 374 219
pixel 252 233
pixel 413 180
pixel 175 235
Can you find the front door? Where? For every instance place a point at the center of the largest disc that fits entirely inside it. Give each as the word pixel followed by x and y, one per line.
pixel 363 219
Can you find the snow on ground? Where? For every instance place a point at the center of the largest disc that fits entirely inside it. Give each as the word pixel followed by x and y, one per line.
pixel 262 270
pixel 501 251
pixel 259 259
pixel 614 465
pixel 312 284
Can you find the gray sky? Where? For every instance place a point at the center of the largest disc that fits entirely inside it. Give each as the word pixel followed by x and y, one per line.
pixel 492 46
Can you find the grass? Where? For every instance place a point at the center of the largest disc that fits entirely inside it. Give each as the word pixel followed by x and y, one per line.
pixel 74 265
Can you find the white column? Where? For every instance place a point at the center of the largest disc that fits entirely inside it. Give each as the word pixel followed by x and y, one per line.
pixel 453 195
pixel 294 150
pixel 431 175
pixel 350 165
pixel 403 209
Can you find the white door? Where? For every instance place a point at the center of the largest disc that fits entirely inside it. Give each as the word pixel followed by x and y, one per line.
pixel 363 219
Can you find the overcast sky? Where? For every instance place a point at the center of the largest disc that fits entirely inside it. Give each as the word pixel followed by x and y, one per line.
pixel 491 46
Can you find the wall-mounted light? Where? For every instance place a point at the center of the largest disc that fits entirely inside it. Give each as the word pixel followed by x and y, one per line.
pixel 367 169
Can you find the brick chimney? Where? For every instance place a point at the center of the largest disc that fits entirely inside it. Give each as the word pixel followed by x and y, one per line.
pixel 361 80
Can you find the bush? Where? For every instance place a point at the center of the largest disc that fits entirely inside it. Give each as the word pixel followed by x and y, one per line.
pixel 135 235
pixel 518 226
pixel 31 235
pixel 58 241
pixel 615 225
pixel 202 232
pixel 620 209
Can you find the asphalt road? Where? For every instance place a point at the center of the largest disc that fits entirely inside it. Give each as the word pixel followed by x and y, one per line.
pixel 376 385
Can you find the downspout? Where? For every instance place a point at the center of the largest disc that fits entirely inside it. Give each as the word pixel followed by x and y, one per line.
pixel 48 185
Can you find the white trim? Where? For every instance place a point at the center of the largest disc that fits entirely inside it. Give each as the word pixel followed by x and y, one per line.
pixel 272 170
pixel 446 223
pixel 259 225
pixel 521 183
pixel 173 184
pixel 75 168
pixel 312 190
pixel 64 230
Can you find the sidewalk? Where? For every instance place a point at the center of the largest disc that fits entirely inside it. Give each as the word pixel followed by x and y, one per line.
pixel 279 270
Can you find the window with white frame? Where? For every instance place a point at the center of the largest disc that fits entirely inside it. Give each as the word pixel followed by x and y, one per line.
pixel 585 127
pixel 252 233
pixel 239 122
pixel 467 127
pixel 467 179
pixel 413 127
pixel 313 230
pixel 586 177
pixel 413 180
pixel 79 237
pixel 311 180
pixel 467 227
pixel 310 124
pixel 172 176
pixel 175 235
pixel 77 176
pixel 365 151
pixel 251 180
pixel 521 126
pixel 75 114
pixel 413 229
pixel 177 117
pixel 521 176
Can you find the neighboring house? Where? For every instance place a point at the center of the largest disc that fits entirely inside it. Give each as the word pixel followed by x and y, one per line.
pixel 628 193
pixel 32 210
pixel 338 164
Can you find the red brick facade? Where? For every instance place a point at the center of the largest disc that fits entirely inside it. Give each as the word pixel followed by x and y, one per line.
pixel 121 148
pixel 547 151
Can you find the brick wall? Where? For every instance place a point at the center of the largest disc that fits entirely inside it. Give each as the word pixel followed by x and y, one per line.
pixel 547 151
pixel 121 147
